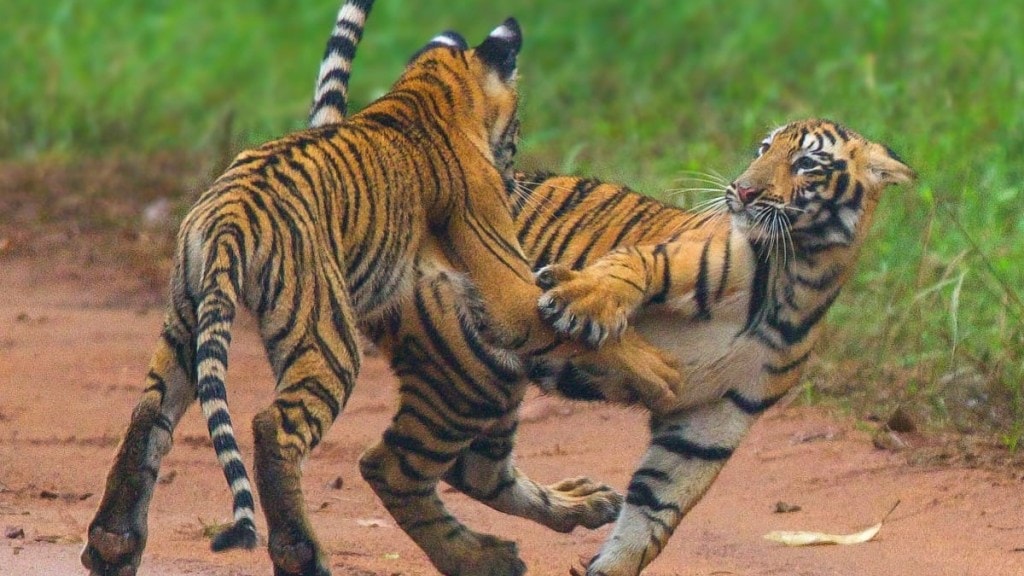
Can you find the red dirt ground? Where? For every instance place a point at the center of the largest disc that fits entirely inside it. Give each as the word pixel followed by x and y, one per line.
pixel 75 342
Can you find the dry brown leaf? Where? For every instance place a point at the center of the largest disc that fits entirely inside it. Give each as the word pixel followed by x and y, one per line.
pixel 804 538
pixel 801 538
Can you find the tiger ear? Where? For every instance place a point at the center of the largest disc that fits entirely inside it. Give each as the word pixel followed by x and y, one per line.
pixel 501 48
pixel 886 168
pixel 446 39
pixel 449 38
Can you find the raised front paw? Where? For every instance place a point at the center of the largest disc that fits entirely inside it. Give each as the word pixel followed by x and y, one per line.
pixel 634 371
pixel 582 305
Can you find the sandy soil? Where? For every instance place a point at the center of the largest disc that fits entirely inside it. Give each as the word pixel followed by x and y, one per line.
pixel 75 342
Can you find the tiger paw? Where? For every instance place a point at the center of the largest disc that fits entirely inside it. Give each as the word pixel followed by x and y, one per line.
pixel 584 305
pixel 583 502
pixel 475 554
pixel 637 372
pixel 293 557
pixel 113 553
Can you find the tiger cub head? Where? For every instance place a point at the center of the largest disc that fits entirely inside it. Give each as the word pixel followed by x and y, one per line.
pixel 813 183
pixel 480 89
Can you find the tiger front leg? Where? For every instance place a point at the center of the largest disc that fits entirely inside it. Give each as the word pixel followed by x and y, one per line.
pixel 483 242
pixel 413 502
pixel 117 534
pixel 630 371
pixel 590 305
pixel 686 453
pixel 594 304
pixel 455 386
pixel 486 472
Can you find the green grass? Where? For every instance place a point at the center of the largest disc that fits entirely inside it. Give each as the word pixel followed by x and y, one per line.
pixel 637 92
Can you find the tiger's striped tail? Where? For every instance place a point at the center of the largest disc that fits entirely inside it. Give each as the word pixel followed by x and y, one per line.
pixel 330 98
pixel 215 314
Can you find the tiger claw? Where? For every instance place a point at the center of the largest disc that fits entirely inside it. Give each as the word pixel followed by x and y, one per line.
pixel 549 276
pixel 582 328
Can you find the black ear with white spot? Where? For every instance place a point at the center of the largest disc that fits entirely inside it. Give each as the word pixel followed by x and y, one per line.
pixel 449 38
pixel 501 48
pixel 446 39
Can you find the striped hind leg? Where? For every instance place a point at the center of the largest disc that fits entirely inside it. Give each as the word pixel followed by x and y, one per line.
pixel 454 386
pixel 687 451
pixel 487 473
pixel 314 352
pixel 117 534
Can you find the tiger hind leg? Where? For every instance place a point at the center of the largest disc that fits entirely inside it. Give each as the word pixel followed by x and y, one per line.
pixel 454 385
pixel 314 352
pixel 687 451
pixel 117 534
pixel 486 472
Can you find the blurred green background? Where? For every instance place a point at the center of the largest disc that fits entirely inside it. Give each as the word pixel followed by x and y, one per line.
pixel 638 92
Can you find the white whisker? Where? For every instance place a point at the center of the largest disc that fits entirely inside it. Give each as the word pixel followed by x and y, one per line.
pixel 530 200
pixel 677 191
pixel 713 177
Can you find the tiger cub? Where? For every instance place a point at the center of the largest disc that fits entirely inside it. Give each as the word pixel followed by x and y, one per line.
pixel 738 297
pixel 321 233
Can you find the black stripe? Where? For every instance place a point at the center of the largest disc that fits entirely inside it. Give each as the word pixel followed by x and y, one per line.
pixel 686 449
pixel 758 289
pixel 661 253
pixel 794 332
pixel 312 387
pixel 751 406
pixel 701 289
pixel 788 367
pixel 573 382
pixel 724 276
pixel 640 494
pixel 341 45
pixel 416 446
pixel 654 474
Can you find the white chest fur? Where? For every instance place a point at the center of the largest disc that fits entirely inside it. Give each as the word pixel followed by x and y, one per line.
pixel 714 354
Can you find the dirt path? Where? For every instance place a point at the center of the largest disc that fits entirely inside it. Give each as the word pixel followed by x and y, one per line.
pixel 74 344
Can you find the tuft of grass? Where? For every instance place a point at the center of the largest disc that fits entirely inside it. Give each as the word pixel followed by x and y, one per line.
pixel 209 529
pixel 639 93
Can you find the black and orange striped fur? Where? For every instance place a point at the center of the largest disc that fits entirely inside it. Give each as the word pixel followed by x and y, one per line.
pixel 326 231
pixel 736 293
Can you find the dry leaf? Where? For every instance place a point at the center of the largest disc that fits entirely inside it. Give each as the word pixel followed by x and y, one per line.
pixel 802 538
pixel 799 538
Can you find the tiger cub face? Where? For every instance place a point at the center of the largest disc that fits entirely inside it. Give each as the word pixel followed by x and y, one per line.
pixel 485 82
pixel 812 182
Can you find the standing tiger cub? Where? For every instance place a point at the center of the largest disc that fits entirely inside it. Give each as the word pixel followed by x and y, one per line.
pixel 317 233
pixel 328 231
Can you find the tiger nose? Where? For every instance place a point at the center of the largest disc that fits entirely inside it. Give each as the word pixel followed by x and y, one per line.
pixel 746 192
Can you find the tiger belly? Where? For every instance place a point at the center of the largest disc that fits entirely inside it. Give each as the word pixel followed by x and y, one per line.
pixel 713 353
